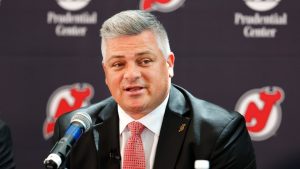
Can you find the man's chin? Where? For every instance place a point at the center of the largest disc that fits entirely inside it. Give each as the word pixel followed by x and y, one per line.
pixel 135 108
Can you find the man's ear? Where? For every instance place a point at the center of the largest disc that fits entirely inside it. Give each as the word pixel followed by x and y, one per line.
pixel 170 62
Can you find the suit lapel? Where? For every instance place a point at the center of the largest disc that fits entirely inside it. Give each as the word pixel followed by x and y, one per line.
pixel 109 146
pixel 172 132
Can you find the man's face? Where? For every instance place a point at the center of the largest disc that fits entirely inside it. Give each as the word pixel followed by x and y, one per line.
pixel 136 73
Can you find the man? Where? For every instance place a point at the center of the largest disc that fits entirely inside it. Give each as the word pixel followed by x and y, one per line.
pixel 175 127
pixel 6 153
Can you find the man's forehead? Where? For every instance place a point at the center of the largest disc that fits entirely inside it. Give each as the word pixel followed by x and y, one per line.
pixel 131 45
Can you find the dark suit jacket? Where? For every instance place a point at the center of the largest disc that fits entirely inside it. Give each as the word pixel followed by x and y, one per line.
pixel 192 129
pixel 6 152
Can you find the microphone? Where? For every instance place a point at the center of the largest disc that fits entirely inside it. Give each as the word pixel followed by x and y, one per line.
pixel 80 123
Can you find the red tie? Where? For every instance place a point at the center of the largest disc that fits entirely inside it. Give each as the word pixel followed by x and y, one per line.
pixel 134 157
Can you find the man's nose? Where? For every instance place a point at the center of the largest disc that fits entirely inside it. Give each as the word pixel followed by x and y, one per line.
pixel 132 72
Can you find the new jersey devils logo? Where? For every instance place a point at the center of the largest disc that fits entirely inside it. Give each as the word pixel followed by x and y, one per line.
pixel 262 5
pixel 73 5
pixel 160 5
pixel 262 111
pixel 66 99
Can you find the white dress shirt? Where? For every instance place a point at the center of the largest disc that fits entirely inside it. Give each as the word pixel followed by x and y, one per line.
pixel 150 135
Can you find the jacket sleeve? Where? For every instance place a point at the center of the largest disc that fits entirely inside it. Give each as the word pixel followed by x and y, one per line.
pixel 233 148
pixel 6 152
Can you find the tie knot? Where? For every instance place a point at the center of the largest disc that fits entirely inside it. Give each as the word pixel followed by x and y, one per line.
pixel 136 128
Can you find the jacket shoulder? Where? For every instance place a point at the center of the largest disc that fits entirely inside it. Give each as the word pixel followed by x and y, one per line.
pixel 207 111
pixel 94 110
pixel 213 113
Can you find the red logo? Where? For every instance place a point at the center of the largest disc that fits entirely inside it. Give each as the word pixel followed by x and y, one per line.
pixel 160 5
pixel 63 100
pixel 262 111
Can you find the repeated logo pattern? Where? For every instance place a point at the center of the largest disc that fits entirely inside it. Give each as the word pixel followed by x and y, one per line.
pixel 262 111
pixel 161 5
pixel 63 100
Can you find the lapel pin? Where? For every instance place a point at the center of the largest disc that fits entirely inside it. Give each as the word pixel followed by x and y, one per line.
pixel 182 127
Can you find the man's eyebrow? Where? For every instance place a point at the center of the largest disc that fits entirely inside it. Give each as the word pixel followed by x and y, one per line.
pixel 115 57
pixel 143 53
pixel 122 56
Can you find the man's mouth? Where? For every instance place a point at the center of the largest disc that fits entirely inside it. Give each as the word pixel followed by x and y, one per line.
pixel 133 88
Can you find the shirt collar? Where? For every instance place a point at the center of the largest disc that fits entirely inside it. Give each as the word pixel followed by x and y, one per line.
pixel 152 120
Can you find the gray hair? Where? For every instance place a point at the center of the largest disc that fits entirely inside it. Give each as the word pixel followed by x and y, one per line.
pixel 134 22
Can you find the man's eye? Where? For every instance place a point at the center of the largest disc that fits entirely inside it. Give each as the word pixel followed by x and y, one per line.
pixel 145 62
pixel 117 65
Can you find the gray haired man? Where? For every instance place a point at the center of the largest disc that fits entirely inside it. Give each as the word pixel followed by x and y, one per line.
pixel 175 128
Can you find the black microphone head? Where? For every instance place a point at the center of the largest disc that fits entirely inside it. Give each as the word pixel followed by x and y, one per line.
pixel 82 118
